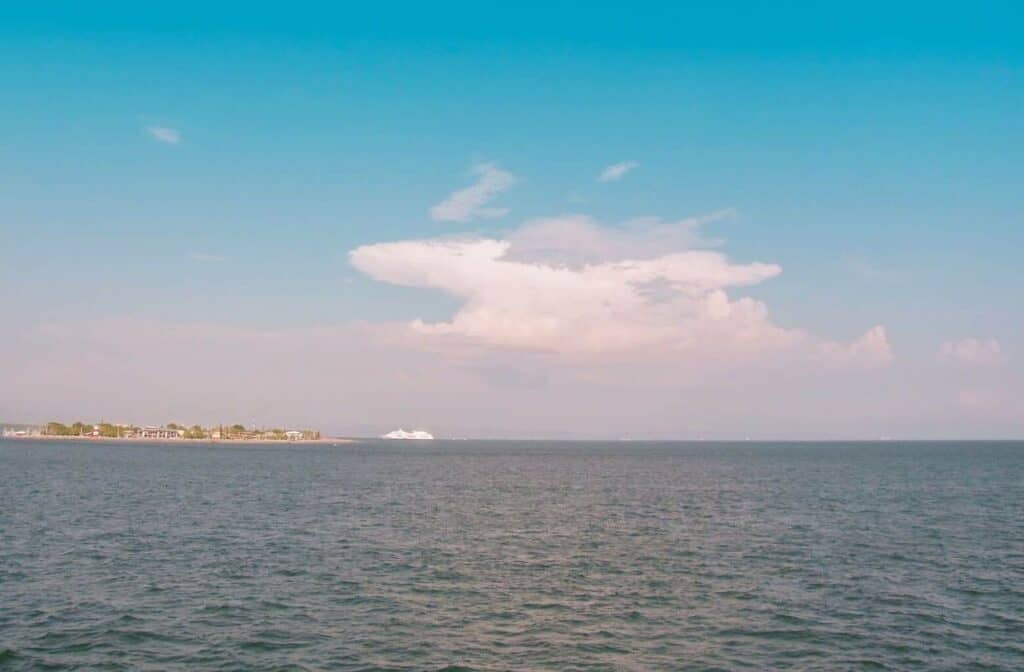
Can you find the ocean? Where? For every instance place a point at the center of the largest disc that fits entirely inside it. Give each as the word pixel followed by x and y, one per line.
pixel 471 555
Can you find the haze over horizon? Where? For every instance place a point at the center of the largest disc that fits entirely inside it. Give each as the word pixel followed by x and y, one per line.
pixel 484 224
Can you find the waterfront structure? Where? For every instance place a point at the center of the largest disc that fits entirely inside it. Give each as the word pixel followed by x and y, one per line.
pixel 105 430
pixel 19 432
pixel 158 433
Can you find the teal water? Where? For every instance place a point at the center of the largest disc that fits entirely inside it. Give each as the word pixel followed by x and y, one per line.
pixel 512 556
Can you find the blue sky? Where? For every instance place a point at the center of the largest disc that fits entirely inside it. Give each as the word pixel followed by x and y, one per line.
pixel 874 153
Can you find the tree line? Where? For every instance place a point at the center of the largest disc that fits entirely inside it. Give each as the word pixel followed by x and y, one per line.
pixel 111 431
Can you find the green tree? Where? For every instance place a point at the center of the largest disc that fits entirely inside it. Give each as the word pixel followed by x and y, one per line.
pixel 109 431
pixel 57 429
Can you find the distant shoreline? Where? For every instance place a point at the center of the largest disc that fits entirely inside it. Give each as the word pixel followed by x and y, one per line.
pixel 111 439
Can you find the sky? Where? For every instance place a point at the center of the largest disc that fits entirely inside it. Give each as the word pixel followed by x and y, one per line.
pixel 654 222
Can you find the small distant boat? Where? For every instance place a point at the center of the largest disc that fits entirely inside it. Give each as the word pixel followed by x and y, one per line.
pixel 415 435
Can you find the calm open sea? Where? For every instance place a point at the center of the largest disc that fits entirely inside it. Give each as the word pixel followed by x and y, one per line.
pixel 512 556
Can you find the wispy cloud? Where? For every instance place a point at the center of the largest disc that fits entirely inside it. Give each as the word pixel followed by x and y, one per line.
pixel 974 351
pixel 468 204
pixel 576 240
pixel 617 171
pixel 205 258
pixel 164 134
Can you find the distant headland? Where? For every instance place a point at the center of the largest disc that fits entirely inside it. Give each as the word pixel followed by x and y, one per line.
pixel 170 432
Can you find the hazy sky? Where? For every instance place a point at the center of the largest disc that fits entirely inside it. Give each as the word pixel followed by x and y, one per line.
pixel 522 220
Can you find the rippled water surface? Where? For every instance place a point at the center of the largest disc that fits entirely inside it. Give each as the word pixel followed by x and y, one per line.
pixel 512 556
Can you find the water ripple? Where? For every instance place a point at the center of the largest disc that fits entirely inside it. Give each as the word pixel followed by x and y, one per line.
pixel 481 557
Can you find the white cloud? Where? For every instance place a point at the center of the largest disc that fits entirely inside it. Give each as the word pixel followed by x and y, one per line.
pixel 164 134
pixel 468 204
pixel 974 351
pixel 568 285
pixel 530 305
pixel 871 349
pixel 616 171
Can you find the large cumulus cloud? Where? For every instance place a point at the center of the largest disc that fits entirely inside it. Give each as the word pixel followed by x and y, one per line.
pixel 570 285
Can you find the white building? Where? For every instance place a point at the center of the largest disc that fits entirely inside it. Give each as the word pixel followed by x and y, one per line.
pixel 159 433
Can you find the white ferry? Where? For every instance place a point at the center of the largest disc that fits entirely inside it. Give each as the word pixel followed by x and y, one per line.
pixel 415 434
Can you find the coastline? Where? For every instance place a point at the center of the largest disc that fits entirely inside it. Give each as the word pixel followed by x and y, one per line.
pixel 236 442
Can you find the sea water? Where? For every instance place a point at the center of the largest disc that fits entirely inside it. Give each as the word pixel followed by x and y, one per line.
pixel 512 556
